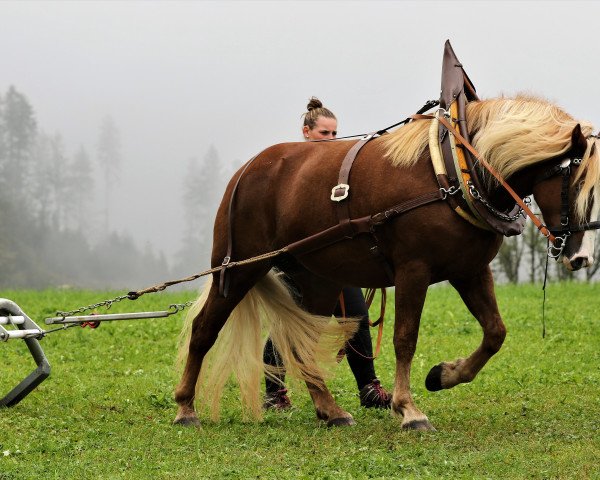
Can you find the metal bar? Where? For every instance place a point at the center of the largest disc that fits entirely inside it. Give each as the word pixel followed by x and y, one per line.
pixel 107 317
pixel 30 333
pixel 10 320
pixel 27 385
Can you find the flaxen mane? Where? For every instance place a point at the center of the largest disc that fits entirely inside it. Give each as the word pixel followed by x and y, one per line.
pixel 511 134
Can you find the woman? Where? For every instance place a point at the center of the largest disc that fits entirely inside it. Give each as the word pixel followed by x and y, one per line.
pixel 321 124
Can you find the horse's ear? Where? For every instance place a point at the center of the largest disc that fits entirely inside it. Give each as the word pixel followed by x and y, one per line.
pixel 578 142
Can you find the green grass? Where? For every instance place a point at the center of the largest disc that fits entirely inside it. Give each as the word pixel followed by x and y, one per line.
pixel 106 410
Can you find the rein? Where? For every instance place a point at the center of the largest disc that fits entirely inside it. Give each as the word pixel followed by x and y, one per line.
pixel 369 297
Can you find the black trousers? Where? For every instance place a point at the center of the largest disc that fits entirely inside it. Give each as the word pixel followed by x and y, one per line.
pixel 357 348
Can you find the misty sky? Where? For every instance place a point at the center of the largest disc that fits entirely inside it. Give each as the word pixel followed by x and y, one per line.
pixel 177 77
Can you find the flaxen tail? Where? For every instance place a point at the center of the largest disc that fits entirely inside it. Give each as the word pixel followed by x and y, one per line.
pixel 305 343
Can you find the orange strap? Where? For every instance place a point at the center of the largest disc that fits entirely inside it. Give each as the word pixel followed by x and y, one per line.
pixel 379 321
pixel 368 300
pixel 537 222
pixel 342 351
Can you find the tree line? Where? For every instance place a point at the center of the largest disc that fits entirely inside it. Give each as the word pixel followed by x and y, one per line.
pixel 524 259
pixel 52 202
pixel 48 208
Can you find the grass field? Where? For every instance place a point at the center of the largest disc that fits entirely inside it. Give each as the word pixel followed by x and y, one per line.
pixel 106 410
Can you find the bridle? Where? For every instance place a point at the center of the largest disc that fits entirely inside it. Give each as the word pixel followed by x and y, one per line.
pixel 566 228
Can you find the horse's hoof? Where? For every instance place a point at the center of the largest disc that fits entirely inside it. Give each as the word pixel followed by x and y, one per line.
pixel 341 422
pixel 422 425
pixel 187 422
pixel 433 382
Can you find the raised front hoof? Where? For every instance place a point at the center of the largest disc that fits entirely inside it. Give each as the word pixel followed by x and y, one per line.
pixel 187 422
pixel 433 382
pixel 422 425
pixel 341 422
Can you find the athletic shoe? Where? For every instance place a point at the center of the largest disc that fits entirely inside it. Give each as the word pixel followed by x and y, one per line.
pixel 373 395
pixel 277 400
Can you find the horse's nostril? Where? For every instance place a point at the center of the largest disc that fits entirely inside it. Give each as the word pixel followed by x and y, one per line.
pixel 578 263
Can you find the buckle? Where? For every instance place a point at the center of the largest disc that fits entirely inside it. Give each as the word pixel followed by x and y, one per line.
pixel 344 194
pixel 226 261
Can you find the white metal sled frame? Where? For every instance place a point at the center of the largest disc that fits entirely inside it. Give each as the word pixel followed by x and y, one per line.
pixel 28 330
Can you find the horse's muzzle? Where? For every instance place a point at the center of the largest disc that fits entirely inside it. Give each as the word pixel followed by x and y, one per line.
pixel 577 262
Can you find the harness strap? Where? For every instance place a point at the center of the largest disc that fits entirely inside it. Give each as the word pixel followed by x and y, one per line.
pixel 338 232
pixel 369 300
pixel 564 199
pixel 582 227
pixel 340 192
pixel 342 351
pixel 223 275
pixel 404 207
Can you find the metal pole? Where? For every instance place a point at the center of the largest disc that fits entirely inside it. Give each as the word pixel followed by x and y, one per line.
pixel 107 317
pixel 10 320
pixel 27 333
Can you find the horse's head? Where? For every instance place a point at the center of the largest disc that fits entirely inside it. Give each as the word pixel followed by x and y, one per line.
pixel 567 191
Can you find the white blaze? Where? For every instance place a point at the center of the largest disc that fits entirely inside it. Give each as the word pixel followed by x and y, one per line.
pixel 586 251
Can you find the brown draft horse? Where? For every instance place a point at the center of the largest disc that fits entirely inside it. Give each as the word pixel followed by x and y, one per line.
pixel 283 196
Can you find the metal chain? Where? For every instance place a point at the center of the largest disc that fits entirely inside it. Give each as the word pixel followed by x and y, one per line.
pixel 449 191
pixel 502 216
pixel 180 307
pixel 105 303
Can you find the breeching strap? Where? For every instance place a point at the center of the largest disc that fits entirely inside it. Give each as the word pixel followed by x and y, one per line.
pixel 536 221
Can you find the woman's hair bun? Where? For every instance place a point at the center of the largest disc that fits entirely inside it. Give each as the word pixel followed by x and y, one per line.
pixel 313 103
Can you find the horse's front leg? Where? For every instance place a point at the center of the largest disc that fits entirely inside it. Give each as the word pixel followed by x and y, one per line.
pixel 478 294
pixel 410 297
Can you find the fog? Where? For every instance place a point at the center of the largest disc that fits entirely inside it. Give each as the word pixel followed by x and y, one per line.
pixel 178 77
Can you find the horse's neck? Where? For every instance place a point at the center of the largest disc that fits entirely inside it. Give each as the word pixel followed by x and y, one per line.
pixel 521 182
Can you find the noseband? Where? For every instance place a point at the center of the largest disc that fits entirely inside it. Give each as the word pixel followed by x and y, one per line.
pixel 564 231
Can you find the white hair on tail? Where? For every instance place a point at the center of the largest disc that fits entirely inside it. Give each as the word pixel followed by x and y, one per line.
pixel 306 343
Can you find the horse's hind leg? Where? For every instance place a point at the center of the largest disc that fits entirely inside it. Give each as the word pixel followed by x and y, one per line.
pixel 319 297
pixel 205 329
pixel 478 294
